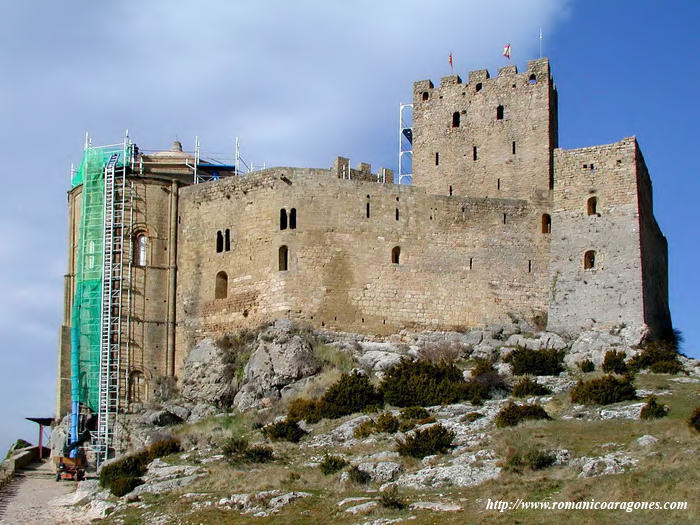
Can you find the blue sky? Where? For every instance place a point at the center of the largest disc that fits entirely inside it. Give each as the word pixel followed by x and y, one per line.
pixel 300 83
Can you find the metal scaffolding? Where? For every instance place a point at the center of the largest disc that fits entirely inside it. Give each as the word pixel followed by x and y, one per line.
pixel 405 144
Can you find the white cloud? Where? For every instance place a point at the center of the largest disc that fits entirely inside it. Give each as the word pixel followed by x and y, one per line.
pixel 300 82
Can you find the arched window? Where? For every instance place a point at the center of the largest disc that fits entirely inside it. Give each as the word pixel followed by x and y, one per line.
pixel 367 211
pixel 478 87
pixel 455 119
pixel 227 240
pixel 533 79
pixel 283 219
pixel 293 219
pixel 499 113
pixel 219 242
pixel 592 206
pixel 395 255
pixel 589 260
pixel 546 223
pixel 283 258
pixel 141 249
pixel 137 387
pixel 221 288
pixel 425 95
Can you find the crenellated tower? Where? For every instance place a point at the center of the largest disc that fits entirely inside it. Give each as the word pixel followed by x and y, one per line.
pixel 490 137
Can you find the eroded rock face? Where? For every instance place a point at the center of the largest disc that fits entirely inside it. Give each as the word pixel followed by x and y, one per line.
pixel 203 378
pixel 381 471
pixel 281 357
pixel 613 463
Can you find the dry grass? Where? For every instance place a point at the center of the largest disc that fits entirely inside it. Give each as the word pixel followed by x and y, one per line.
pixel 668 471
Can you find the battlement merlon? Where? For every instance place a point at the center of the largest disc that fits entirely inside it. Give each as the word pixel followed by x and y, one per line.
pixel 538 71
pixel 341 169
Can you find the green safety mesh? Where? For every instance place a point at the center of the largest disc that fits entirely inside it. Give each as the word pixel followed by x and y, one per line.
pixel 85 319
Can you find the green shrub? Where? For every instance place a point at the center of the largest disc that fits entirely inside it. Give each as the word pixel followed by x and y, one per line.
pixel 164 447
pixel 667 367
pixel 534 459
pixel 122 486
pixel 332 464
pixel 482 366
pixel 414 413
pixel 653 410
pixel 238 451
pixel 133 466
pixel 529 387
pixel 694 420
pixel 286 430
pixel 410 383
pixel 472 416
pixel 359 476
pixel 655 352
pixel 352 393
pixel 614 362
pixel 603 391
pixel 386 422
pixel 586 365
pixel 435 439
pixel 548 362
pixel 308 410
pixel 512 414
pixel 390 498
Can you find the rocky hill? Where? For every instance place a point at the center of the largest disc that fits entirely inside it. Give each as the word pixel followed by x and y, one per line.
pixel 285 425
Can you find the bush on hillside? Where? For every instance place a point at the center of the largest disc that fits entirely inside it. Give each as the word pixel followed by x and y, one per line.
pixel 122 486
pixel 235 352
pixel 358 476
pixel 655 352
pixel 482 366
pixel 529 387
pixel 286 430
pixel 332 464
pixel 653 410
pixel 694 420
pixel 667 367
pixel 239 451
pixel 130 468
pixel 603 391
pixel 470 417
pixel 352 393
pixel 410 383
pixel 614 362
pixel 512 414
pixel 435 439
pixel 533 459
pixel 390 498
pixel 384 422
pixel 414 413
pixel 547 362
pixel 308 410
pixel 586 366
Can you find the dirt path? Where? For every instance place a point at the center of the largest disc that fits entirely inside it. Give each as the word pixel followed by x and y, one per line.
pixel 26 499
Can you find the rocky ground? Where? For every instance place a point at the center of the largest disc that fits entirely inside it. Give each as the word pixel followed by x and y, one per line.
pixel 603 452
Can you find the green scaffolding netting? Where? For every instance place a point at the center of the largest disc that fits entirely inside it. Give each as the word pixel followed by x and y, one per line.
pixel 85 318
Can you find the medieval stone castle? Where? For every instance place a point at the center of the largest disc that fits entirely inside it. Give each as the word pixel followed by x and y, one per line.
pixel 499 224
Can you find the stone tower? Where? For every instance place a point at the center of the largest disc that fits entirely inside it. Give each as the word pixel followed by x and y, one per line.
pixel 490 137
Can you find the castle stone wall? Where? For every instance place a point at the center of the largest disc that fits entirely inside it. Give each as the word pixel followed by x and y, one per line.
pixel 610 293
pixel 482 154
pixel 460 265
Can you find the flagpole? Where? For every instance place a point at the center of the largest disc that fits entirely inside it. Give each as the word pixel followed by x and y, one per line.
pixel 540 42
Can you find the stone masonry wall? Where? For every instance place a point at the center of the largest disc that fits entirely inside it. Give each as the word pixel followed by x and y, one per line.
pixel 610 293
pixel 460 265
pixel 482 154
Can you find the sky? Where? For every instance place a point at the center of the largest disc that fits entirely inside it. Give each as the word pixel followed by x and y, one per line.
pixel 301 83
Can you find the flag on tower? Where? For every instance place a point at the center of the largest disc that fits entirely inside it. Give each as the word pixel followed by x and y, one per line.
pixel 506 51
pixel 449 60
